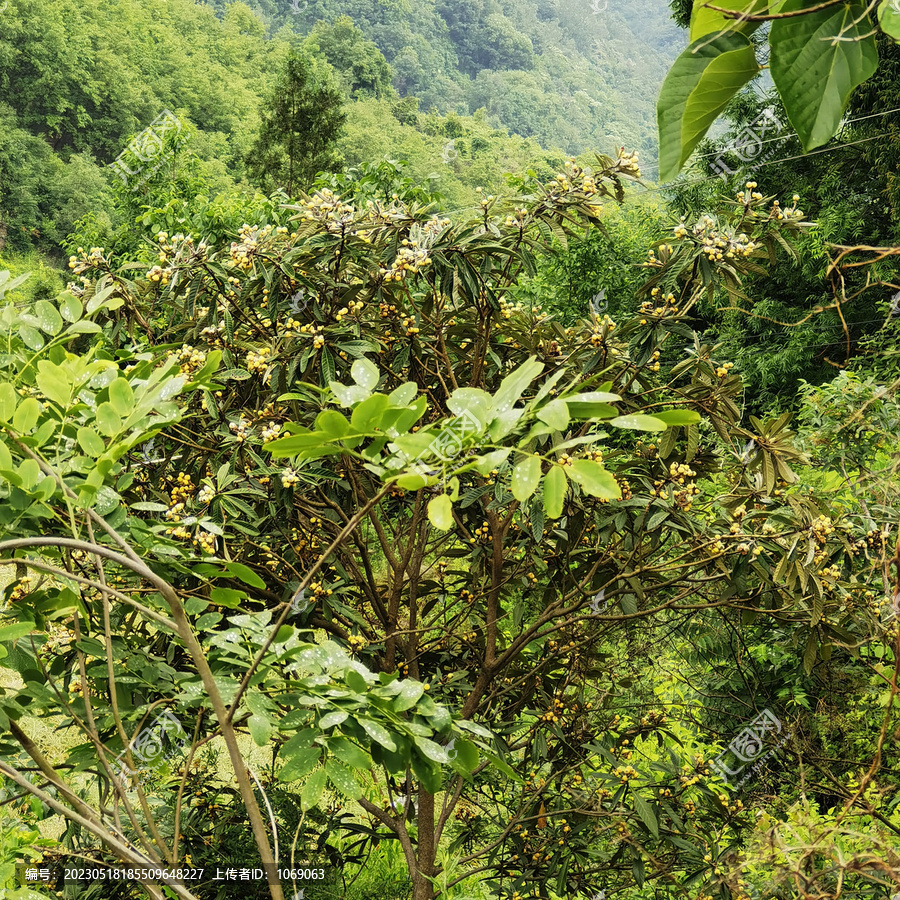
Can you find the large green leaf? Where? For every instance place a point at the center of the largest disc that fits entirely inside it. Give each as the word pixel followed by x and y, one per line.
pixel 342 778
pixel 889 19
pixel 696 90
pixel 594 479
pixel 525 477
pixel 440 512
pixel 817 61
pixel 312 790
pixel 709 21
pixel 555 487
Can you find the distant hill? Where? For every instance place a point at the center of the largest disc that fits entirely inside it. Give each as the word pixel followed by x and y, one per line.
pixel 574 74
pixel 465 90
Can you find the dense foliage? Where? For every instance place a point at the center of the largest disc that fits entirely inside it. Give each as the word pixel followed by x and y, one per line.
pixel 388 499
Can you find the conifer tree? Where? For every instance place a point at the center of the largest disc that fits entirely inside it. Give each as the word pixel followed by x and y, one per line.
pixel 300 126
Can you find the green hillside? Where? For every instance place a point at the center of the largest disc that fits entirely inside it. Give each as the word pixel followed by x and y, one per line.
pixel 510 85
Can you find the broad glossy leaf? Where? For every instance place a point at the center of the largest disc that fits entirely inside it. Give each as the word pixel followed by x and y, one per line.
pixel 108 420
pixel 431 750
pixel 513 386
pixel 889 19
pixel 343 779
pixel 698 87
pixel 408 696
pixel 299 764
pixel 121 396
pixel 555 487
pixel 526 476
pixel 365 374
pixel 260 729
pixel 91 442
pixel 349 753
pixel 313 790
pixel 332 423
pixel 817 61
pixel 555 414
pixel 440 512
pixel 8 401
pixel 26 415
pixel 677 417
pixel 639 423
pixel 378 733
pixel 71 308
pixel 594 479
pixel 50 320
pixel 709 21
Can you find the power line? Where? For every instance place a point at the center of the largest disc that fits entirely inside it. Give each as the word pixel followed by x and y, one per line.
pixel 784 137
pixel 760 165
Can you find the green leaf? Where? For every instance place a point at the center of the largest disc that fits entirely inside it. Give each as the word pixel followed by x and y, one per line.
pixel 440 512
pixel 645 811
pixel 367 415
pixel 332 423
pixel 409 694
pixel 108 420
pixel 513 386
pixel 50 320
pixel 638 423
pixel 91 442
pixel 52 381
pixel 365 374
pixel 677 417
pixel 8 401
pixel 555 414
pixel 698 87
pixel 329 720
pixel 312 790
pixel 889 19
pixel 526 476
pixel 709 21
pixel 26 415
pixel 15 631
pixel 342 778
pixel 299 764
pixel 31 337
pixel 491 461
pixel 245 574
pixel 555 487
pixel 121 396
pixel 817 61
pixel 348 752
pixel 463 755
pixel 71 308
pixel 594 479
pixel 260 729
pixel 431 750
pixel 378 733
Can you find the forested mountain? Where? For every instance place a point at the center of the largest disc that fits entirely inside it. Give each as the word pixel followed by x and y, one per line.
pixel 78 79
pixel 403 499
pixel 574 74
